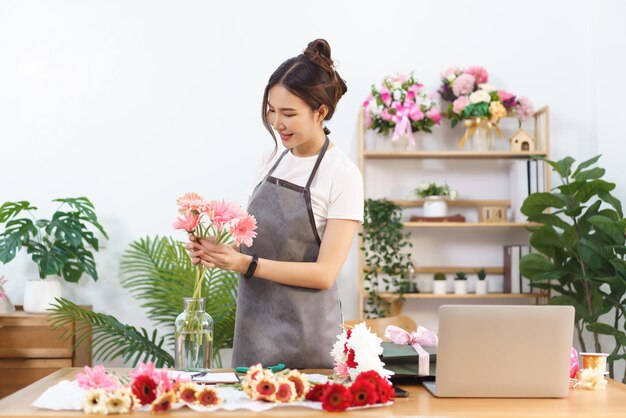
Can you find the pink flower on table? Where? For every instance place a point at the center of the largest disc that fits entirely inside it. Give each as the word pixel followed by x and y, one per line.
pixel 223 212
pixel 187 222
pixel 463 84
pixel 459 104
pixel 525 109
pixel 479 73
pixel 385 95
pixel 243 230
pixel 434 115
pixel 96 378
pixel 190 202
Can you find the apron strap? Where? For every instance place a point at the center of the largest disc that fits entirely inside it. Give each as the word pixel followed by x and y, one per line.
pixel 317 163
pixel 277 161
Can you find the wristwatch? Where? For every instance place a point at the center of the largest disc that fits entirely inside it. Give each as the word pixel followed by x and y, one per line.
pixel 251 267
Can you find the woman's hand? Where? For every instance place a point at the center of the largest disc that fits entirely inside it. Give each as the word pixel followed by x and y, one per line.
pixel 209 254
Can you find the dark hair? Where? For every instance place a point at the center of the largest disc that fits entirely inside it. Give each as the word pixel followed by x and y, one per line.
pixel 312 77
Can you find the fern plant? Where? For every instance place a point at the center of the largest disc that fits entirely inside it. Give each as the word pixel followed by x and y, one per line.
pixel 158 272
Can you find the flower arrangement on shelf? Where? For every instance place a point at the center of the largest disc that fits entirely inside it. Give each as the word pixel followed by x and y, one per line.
pixel 477 103
pixel 428 189
pixel 147 387
pixel 400 104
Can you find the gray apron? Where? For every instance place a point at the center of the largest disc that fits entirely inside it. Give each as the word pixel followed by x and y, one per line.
pixel 278 323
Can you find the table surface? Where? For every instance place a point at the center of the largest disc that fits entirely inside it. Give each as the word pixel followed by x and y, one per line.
pixel 610 402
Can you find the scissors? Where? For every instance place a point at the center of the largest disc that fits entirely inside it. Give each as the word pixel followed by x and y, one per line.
pixel 274 369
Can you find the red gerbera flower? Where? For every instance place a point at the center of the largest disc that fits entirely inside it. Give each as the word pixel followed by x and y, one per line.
pixel 336 398
pixel 316 392
pixel 207 396
pixel 385 391
pixel 145 389
pixel 363 393
pixel 264 389
pixel 350 361
pixel 163 403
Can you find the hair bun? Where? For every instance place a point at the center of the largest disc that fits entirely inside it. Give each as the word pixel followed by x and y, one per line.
pixel 319 48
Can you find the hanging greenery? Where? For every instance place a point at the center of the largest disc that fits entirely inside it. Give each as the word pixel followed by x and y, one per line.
pixel 386 264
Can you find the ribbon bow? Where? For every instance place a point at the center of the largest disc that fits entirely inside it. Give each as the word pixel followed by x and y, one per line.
pixel 474 123
pixel 403 123
pixel 421 337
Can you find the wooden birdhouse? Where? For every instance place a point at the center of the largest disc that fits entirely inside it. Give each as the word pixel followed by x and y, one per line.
pixel 521 140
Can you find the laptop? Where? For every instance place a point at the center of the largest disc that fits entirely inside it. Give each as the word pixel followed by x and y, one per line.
pixel 489 351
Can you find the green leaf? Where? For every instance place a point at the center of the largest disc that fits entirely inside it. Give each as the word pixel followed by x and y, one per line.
pixel 611 200
pixel 547 240
pixel 11 209
pixel 17 233
pixel 49 260
pixel 594 173
pixel 533 264
pixel 111 339
pixel 593 188
pixel 615 230
pixel 606 329
pixel 536 203
pixel 564 166
pixel 586 164
pixel 66 227
pixel 570 188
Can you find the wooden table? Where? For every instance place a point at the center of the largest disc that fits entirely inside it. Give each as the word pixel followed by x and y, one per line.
pixel 610 402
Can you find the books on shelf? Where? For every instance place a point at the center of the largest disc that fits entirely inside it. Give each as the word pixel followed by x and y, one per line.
pixel 525 177
pixel 513 282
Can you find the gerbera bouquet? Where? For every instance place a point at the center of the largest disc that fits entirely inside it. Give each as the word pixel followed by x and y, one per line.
pixel 283 387
pixel 474 101
pixel 219 218
pixel 357 350
pixel 401 104
pixel 148 386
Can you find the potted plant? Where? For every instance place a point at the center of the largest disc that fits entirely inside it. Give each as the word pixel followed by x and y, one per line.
pixel 479 105
pixel 387 263
pixel 399 107
pixel 59 246
pixel 435 198
pixel 460 283
pixel 481 283
pixel 440 284
pixel 580 253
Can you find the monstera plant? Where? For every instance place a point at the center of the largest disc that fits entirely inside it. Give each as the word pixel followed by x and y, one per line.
pixel 159 273
pixel 580 252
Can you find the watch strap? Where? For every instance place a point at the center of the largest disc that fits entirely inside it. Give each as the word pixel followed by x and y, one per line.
pixel 251 268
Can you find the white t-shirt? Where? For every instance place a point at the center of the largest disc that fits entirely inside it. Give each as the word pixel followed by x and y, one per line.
pixel 336 190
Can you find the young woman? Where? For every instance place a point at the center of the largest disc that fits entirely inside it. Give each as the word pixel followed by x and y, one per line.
pixel 308 205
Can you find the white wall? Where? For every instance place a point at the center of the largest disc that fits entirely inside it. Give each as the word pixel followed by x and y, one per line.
pixel 132 103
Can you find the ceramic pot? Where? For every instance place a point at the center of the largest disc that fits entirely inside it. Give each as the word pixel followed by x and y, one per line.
pixel 39 294
pixel 435 206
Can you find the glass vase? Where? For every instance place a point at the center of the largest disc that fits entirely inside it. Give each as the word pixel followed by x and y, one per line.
pixel 482 139
pixel 193 331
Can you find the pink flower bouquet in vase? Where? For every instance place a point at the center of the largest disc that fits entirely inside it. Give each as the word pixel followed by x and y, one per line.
pixel 225 221
pixel 479 105
pixel 401 106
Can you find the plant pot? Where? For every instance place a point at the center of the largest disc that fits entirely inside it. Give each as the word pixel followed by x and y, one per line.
pixel 435 206
pixel 39 294
pixel 440 287
pixel 460 287
pixel 481 287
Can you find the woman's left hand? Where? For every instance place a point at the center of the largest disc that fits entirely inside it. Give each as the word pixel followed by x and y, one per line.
pixel 211 255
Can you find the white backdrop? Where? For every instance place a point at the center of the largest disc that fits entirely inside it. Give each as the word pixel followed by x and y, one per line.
pixel 132 103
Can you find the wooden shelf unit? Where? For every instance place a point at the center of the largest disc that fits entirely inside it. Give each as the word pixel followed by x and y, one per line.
pixel 30 350
pixel 541 121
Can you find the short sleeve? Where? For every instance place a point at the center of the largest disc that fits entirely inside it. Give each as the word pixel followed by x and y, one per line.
pixel 346 194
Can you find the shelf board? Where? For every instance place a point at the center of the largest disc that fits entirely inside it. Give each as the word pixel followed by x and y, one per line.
pixel 387 295
pixel 451 269
pixel 455 203
pixel 452 154
pixel 469 224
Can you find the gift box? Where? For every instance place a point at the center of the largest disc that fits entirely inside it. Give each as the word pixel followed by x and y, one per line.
pixel 403 360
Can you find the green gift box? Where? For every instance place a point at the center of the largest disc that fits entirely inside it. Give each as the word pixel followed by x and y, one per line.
pixel 404 361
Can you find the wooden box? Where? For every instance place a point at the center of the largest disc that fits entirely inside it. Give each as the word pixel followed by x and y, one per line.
pixel 492 214
pixel 30 350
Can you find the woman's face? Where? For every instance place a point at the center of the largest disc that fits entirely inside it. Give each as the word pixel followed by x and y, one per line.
pixel 292 118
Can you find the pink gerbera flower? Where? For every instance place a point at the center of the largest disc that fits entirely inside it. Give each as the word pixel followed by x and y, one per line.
pixel 187 222
pixel 243 230
pixel 191 202
pixel 96 378
pixel 223 212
